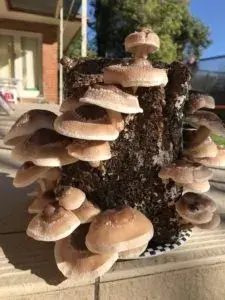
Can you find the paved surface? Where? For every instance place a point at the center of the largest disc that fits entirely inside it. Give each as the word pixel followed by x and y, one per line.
pixel 28 271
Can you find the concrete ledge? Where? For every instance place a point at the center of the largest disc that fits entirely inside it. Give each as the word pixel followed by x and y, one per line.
pixel 27 268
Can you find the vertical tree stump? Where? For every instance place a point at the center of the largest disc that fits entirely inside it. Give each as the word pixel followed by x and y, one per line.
pixel 150 140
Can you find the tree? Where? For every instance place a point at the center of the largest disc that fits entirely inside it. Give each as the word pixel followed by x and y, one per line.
pixel 180 33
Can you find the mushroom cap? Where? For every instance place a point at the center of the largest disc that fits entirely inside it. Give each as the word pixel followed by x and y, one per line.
pixel 86 212
pixel 87 122
pixel 67 105
pixel 53 224
pixel 133 253
pixel 118 230
pixel 74 260
pixel 206 149
pixel 185 172
pixel 90 150
pixel 206 119
pixel 199 101
pixel 44 148
pixel 214 223
pixel 52 174
pixel 111 97
pixel 196 208
pixel 194 138
pixel 214 162
pixel 30 122
pixel 71 198
pixel 135 75
pixel 38 204
pixel 71 104
pixel 13 142
pixel 196 187
pixel 27 174
pixel 146 39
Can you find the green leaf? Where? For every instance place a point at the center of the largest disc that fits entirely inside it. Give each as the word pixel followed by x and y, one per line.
pixel 219 140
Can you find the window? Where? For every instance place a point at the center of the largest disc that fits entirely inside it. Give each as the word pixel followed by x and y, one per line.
pixel 20 58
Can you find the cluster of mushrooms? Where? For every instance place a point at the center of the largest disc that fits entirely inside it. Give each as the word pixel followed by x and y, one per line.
pixel 88 241
pixel 203 161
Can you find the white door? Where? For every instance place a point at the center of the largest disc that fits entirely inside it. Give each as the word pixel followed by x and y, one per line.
pixel 20 58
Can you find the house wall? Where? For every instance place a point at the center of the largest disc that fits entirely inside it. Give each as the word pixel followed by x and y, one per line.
pixel 49 54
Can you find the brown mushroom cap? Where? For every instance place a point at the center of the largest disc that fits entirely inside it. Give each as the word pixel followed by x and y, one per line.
pixel 38 204
pixel 135 75
pixel 44 148
pixel 71 103
pixel 206 149
pixel 200 101
pixel 118 230
pixel 206 119
pixel 52 174
pixel 185 172
pixel 74 260
pixel 214 223
pixel 144 41
pixel 28 173
pixel 197 187
pixel 71 198
pixel 196 208
pixel 30 122
pixel 111 97
pixel 87 211
pixel 53 224
pixel 133 253
pixel 214 162
pixel 87 122
pixel 90 150
pixel 194 138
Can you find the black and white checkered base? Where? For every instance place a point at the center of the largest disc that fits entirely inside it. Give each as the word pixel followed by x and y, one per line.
pixel 159 250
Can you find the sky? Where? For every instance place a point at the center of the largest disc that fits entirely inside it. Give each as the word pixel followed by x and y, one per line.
pixel 212 13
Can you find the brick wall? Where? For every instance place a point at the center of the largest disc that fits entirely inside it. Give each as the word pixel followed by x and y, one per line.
pixel 49 53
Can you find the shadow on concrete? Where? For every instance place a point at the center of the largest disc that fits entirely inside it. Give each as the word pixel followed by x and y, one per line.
pixel 21 251
pixel 27 254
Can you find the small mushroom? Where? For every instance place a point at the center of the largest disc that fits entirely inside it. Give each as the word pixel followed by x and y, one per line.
pixel 53 224
pixel 28 173
pixel 111 97
pixel 133 253
pixel 194 138
pixel 74 259
pixel 206 119
pixel 91 151
pixel 214 223
pixel 89 122
pixel 71 103
pixel 118 230
pixel 185 172
pixel 196 187
pixel 87 211
pixel 28 123
pixel 199 101
pixel 142 42
pixel 214 162
pixel 195 208
pixel 38 204
pixel 71 198
pixel 206 149
pixel 44 148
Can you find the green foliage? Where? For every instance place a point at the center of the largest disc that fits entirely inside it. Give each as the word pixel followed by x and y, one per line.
pixel 170 19
pixel 74 49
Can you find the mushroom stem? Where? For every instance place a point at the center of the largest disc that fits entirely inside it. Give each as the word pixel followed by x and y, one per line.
pixel 94 164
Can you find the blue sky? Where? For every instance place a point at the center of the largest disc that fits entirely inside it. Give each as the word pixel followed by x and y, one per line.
pixel 212 13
